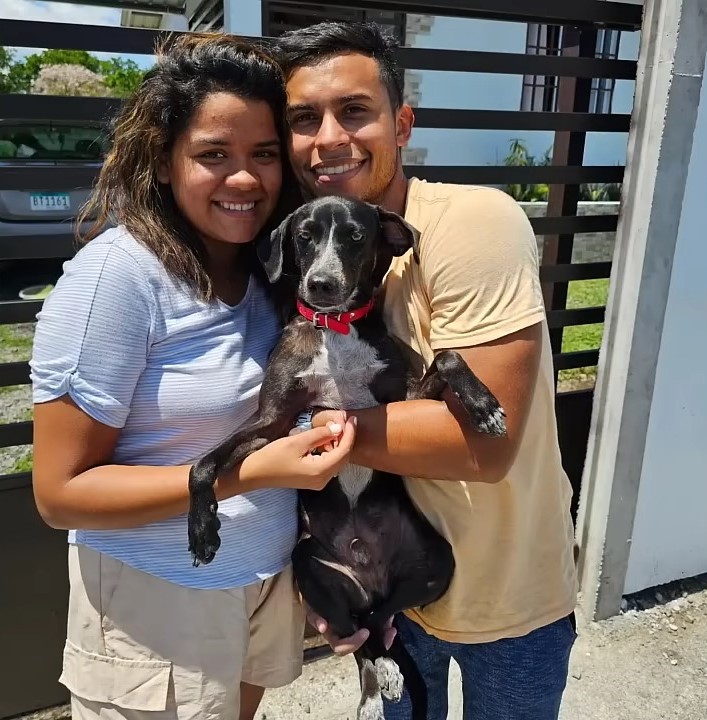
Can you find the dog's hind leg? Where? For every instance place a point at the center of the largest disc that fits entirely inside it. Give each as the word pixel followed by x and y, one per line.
pixel 449 369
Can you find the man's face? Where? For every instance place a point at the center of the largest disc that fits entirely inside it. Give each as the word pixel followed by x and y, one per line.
pixel 345 135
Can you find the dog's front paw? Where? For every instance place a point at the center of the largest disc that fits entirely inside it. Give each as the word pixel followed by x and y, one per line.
pixel 390 679
pixel 371 705
pixel 486 414
pixel 203 526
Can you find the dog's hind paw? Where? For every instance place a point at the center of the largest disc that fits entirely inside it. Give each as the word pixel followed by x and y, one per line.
pixel 390 679
pixel 203 526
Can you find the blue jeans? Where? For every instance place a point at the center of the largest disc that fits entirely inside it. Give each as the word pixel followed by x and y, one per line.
pixel 512 679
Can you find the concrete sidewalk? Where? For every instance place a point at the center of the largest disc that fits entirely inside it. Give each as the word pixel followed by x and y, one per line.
pixel 643 665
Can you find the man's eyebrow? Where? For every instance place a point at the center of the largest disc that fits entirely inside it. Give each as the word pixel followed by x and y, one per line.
pixel 340 101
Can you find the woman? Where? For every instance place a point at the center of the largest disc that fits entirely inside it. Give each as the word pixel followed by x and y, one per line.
pixel 150 351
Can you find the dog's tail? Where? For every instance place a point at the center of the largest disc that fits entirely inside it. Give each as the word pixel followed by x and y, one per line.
pixel 414 682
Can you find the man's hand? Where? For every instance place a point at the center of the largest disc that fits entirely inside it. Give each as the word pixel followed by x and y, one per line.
pixel 347 645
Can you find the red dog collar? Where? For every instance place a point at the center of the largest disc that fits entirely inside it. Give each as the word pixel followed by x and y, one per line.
pixel 338 323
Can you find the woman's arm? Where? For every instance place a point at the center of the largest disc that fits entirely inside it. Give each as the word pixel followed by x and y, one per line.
pixel 74 487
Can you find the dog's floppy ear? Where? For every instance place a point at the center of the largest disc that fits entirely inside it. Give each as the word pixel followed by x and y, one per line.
pixel 399 234
pixel 271 249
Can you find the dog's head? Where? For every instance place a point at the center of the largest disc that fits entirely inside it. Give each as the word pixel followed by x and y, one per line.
pixel 337 249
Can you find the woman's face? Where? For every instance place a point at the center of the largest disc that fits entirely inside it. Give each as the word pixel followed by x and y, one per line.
pixel 225 169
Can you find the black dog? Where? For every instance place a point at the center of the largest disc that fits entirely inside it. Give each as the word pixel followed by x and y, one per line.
pixel 365 552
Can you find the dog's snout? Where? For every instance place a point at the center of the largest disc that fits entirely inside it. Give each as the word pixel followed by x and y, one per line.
pixel 321 284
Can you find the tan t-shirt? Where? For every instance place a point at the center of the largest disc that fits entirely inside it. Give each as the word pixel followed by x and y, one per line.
pixel 477 281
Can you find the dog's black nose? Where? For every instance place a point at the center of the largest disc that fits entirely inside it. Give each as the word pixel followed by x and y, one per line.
pixel 321 284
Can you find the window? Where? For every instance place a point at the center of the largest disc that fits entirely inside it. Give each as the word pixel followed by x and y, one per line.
pixel 279 17
pixel 36 142
pixel 540 92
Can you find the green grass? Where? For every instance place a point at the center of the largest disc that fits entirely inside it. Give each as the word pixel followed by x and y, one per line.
pixel 583 293
pixel 24 464
pixel 14 343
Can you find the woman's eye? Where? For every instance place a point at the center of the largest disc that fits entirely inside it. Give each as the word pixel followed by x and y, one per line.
pixel 212 155
pixel 267 154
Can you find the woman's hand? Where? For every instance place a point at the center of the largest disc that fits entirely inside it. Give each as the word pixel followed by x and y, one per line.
pixel 289 462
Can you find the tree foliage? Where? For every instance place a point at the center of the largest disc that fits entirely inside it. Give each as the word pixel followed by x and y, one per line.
pixel 119 76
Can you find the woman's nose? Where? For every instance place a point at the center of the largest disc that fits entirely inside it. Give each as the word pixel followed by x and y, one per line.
pixel 243 180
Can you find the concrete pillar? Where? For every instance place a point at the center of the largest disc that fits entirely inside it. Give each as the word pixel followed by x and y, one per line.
pixel 670 69
pixel 243 17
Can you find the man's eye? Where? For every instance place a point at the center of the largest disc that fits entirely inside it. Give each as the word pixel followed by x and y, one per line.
pixel 353 109
pixel 302 118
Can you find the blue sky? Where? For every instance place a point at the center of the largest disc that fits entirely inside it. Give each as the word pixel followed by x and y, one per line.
pixel 68 13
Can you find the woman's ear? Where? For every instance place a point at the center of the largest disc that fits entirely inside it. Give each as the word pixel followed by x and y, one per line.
pixel 162 169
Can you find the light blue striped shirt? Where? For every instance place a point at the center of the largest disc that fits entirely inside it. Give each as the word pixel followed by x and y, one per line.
pixel 136 350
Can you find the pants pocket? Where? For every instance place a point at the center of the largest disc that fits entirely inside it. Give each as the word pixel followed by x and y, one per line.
pixel 130 684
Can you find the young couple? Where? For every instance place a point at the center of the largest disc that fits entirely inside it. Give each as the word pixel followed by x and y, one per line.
pixel 152 348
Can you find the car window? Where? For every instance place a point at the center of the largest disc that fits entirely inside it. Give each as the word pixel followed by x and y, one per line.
pixel 44 142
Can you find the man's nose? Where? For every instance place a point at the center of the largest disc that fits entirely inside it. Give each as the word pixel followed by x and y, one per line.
pixel 331 133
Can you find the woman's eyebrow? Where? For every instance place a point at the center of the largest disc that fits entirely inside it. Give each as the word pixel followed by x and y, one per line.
pixel 215 140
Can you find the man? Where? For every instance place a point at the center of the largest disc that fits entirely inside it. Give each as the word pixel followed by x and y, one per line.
pixel 502 503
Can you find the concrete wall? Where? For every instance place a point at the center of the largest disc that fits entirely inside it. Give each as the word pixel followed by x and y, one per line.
pixel 670 528
pixel 588 247
pixel 243 17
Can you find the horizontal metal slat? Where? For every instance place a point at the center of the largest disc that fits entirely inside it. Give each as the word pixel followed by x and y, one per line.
pixel 15 481
pixel 19 311
pixel 41 107
pixel 579 316
pixel 25 33
pixel 60 178
pixel 48 177
pixel 14 373
pixel 574 224
pixel 576 271
pixel 519 120
pixel 581 358
pixel 524 175
pixel 19 433
pixel 515 63
pixel 34 247
pixel 558 12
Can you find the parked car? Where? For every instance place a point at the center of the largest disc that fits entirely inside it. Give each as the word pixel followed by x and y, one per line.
pixel 47 169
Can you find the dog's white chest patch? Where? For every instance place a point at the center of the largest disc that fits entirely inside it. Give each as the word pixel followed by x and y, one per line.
pixel 340 376
pixel 342 372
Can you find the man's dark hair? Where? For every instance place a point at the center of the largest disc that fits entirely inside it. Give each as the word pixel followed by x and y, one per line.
pixel 311 45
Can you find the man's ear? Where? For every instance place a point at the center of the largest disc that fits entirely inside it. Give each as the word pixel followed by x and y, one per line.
pixel 404 122
pixel 399 234
pixel 270 249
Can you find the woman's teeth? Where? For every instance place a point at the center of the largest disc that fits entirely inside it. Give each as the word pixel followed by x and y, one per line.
pixel 241 207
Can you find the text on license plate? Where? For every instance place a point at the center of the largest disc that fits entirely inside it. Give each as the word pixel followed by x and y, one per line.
pixel 47 201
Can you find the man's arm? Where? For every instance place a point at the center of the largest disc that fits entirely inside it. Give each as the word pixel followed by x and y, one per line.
pixel 432 439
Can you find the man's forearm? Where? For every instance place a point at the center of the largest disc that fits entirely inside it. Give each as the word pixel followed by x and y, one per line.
pixel 423 438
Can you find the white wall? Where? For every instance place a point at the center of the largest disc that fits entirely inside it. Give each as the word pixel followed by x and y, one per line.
pixel 670 528
pixel 243 17
pixel 492 91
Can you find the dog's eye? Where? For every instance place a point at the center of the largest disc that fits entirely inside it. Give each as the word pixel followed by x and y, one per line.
pixel 303 235
pixel 357 236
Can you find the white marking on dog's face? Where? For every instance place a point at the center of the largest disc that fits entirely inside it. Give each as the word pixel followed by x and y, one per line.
pixel 328 262
pixel 340 376
pixel 346 570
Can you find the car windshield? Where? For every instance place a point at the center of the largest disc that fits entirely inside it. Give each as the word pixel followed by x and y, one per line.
pixel 51 142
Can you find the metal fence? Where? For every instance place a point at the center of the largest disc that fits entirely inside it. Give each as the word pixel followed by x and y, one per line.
pixel 34 594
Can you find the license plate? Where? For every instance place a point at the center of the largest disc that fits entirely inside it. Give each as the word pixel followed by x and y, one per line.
pixel 49 201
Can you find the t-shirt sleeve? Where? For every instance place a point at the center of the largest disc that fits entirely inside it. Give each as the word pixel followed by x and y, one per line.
pixel 93 333
pixel 479 268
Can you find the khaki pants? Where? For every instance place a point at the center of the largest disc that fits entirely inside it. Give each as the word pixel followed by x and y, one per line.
pixel 139 647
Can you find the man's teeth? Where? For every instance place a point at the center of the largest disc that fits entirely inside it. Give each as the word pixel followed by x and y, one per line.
pixel 336 169
pixel 241 207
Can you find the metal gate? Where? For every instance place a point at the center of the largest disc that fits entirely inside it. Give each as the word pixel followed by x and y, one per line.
pixel 33 598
